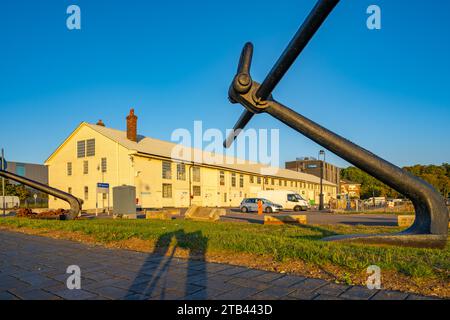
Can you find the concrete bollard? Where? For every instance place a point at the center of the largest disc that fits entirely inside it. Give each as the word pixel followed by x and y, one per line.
pixel 285 219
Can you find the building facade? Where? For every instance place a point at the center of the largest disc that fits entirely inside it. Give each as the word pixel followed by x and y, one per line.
pixel 36 172
pixel 33 171
pixel 351 190
pixel 310 165
pixel 95 154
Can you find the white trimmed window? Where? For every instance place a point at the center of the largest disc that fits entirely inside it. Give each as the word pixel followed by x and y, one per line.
pixel 167 190
pixel 166 170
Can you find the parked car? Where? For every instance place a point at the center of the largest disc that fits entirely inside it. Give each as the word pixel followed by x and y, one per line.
pixel 290 200
pixel 251 205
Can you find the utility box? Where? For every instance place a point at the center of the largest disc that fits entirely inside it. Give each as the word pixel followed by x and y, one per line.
pixel 124 201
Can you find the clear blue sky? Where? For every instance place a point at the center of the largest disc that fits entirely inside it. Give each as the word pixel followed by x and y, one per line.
pixel 172 61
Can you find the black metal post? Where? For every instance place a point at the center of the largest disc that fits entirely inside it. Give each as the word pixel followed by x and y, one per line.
pixel 3 183
pixel 321 207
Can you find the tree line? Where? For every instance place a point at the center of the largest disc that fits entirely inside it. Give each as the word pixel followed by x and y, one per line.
pixel 437 176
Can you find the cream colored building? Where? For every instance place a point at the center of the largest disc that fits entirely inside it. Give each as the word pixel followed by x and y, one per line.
pixel 95 154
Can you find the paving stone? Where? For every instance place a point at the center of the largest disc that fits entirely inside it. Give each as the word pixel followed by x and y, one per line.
pixel 75 294
pixel 277 292
pixel 111 292
pixel 136 296
pixel 310 284
pixel 327 297
pixel 268 277
pixel 37 280
pixel 238 294
pixel 36 294
pixel 287 280
pixel 390 295
pixel 418 297
pixel 250 273
pixel 249 283
pixel 359 293
pixel 8 282
pixel 5 295
pixel 232 271
pixel 301 295
pixel 332 289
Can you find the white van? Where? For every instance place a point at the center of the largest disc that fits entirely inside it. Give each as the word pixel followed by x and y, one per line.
pixel 290 200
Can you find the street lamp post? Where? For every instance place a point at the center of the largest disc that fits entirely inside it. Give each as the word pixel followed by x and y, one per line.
pixel 321 153
pixel 3 182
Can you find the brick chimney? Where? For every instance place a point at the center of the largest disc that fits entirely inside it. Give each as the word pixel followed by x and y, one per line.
pixel 100 123
pixel 132 126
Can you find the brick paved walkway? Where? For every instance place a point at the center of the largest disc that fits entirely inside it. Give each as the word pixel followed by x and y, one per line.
pixel 33 267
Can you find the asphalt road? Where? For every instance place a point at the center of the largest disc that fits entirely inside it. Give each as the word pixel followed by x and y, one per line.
pixel 316 217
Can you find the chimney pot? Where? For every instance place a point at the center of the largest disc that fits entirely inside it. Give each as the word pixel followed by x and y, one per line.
pixel 100 123
pixel 132 126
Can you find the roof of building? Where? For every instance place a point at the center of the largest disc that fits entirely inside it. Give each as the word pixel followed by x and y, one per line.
pixel 166 149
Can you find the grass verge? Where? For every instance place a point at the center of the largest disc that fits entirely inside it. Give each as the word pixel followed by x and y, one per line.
pixel 286 248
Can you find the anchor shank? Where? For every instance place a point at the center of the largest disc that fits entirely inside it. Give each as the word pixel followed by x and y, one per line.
pixel 426 200
pixel 306 31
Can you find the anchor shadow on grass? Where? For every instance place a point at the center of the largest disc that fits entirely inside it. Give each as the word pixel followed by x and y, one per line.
pixel 164 276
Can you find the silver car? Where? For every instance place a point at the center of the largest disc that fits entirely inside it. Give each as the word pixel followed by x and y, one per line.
pixel 251 205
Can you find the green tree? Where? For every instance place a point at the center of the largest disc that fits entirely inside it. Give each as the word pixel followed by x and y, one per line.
pixel 437 176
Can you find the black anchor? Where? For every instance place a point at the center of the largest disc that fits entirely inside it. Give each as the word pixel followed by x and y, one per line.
pixel 430 228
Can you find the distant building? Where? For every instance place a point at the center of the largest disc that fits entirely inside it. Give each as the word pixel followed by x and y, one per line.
pixel 94 154
pixel 352 189
pixel 311 165
pixel 36 172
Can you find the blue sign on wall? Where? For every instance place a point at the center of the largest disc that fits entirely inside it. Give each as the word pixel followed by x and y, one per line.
pixel 103 185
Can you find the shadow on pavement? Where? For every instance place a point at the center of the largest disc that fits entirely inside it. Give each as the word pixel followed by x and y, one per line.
pixel 162 275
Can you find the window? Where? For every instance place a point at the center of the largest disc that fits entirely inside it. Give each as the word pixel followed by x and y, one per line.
pixel 241 181
pixel 81 149
pixel 233 179
pixel 196 191
pixel 252 179
pixel 266 180
pixel 181 171
pixel 85 167
pixel 285 183
pixel 104 196
pixel 222 178
pixel 292 183
pixel 86 148
pixel 69 168
pixel 69 190
pixel 196 174
pixel 273 181
pixel 104 165
pixel 90 147
pixel 258 180
pixel 166 170
pixel 20 169
pixel 167 190
pixel 86 193
pixel 225 197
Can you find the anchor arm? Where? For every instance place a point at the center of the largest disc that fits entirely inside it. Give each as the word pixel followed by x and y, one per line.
pixel 75 203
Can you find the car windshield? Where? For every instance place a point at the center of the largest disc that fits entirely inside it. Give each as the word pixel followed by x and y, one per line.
pixel 267 201
pixel 299 197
